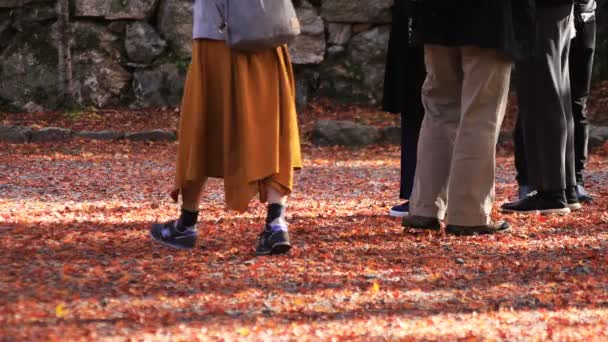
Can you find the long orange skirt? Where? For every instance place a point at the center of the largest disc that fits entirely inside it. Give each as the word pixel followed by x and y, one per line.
pixel 239 122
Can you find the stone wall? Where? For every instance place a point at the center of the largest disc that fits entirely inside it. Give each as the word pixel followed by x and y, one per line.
pixel 124 52
pixel 136 52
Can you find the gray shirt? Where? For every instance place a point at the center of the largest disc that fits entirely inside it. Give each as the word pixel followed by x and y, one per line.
pixel 207 20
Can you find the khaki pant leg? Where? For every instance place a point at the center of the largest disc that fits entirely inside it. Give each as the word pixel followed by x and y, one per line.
pixel 441 94
pixel 484 99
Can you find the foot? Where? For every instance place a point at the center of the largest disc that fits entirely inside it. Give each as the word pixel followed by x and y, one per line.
pixel 401 210
pixel 524 191
pixel 583 195
pixel 174 235
pixel 421 222
pixel 491 228
pixel 535 204
pixel 274 240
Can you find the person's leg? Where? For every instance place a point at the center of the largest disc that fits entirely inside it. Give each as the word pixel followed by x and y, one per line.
pixel 191 196
pixel 548 121
pixel 520 158
pixel 543 88
pixel 181 233
pixel 275 237
pixel 406 183
pixel 407 170
pixel 525 142
pixel 410 132
pixel 485 90
pixel 582 54
pixel 441 96
pixel 275 197
pixel 411 122
pixel 566 95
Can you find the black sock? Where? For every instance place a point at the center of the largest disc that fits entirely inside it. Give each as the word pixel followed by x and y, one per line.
pixel 188 218
pixel 275 211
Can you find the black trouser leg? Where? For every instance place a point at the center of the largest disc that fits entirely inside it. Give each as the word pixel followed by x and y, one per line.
pixel 543 89
pixel 411 120
pixel 582 53
pixel 410 131
pixel 520 153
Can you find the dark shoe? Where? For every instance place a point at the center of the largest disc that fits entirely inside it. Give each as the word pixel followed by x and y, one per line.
pixel 273 240
pixel 572 199
pixel 537 203
pixel 421 222
pixel 172 235
pixel 401 210
pixel 583 195
pixel 492 228
pixel 524 191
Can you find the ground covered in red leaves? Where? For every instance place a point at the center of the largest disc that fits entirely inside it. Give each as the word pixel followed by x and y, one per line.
pixel 90 119
pixel 77 263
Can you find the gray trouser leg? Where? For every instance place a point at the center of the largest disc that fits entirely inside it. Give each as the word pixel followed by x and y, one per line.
pixel 543 88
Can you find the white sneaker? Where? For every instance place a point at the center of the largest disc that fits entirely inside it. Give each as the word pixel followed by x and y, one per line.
pixel 401 210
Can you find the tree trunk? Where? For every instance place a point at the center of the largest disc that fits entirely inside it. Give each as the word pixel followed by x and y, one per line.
pixel 65 56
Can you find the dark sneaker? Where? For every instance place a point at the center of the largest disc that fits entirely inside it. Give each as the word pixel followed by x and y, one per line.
pixel 583 195
pixel 400 210
pixel 421 222
pixel 492 228
pixel 273 240
pixel 169 235
pixel 524 191
pixel 537 203
pixel 572 199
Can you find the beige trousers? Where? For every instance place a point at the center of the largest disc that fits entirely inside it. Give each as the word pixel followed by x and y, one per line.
pixel 465 97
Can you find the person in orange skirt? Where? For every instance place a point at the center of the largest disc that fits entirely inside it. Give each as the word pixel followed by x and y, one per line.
pixel 239 123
